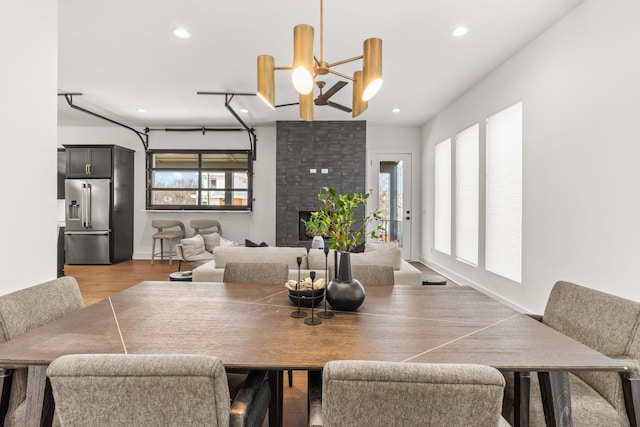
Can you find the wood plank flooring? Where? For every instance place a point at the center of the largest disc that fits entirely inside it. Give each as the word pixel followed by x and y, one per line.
pixel 101 281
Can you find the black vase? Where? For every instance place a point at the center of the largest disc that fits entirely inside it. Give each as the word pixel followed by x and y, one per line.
pixel 345 293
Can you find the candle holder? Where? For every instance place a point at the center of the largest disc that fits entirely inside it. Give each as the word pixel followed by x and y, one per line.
pixel 298 314
pixel 312 320
pixel 326 314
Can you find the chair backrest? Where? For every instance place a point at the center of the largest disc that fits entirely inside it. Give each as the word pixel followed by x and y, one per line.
pixel 205 226
pixel 140 390
pixel 367 393
pixel 161 224
pixel 604 322
pixel 370 275
pixel 27 309
pixel 266 273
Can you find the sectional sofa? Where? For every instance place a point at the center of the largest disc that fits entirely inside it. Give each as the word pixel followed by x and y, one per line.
pixel 312 259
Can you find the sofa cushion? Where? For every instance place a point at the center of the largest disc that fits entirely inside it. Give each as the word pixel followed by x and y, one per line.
pixel 316 259
pixel 389 256
pixel 380 246
pixel 211 241
pixel 192 247
pixel 224 254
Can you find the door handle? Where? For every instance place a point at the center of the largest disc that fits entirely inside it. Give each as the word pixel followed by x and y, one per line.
pixel 408 217
pixel 87 169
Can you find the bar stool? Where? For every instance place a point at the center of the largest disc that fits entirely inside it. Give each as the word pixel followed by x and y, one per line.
pixel 162 225
pixel 202 226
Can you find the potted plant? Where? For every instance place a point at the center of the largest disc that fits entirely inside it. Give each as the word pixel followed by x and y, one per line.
pixel 337 220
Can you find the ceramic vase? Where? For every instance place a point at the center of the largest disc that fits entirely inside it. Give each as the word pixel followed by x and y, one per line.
pixel 345 293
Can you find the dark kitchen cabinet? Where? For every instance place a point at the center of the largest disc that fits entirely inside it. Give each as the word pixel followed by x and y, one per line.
pixel 62 172
pixel 88 162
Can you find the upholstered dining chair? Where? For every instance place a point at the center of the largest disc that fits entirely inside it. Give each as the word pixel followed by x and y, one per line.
pixel 22 311
pixel 205 226
pixel 371 393
pixel 370 275
pixel 154 389
pixel 266 273
pixel 168 229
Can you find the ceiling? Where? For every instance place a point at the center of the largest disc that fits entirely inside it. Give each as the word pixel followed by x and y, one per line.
pixel 122 56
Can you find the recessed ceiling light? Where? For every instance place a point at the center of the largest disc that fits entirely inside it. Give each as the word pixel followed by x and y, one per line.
pixel 244 110
pixel 459 31
pixel 181 33
pixel 141 110
pixel 395 110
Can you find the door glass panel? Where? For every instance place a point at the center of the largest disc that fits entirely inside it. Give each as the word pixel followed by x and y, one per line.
pixel 390 199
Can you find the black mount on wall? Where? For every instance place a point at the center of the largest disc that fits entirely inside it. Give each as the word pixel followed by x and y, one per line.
pixel 144 136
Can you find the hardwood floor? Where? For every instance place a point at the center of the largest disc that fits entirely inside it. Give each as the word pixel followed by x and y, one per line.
pixel 101 281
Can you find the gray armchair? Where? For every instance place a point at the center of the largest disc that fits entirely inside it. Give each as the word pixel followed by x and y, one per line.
pixel 606 323
pixel 367 393
pixel 20 312
pixel 154 389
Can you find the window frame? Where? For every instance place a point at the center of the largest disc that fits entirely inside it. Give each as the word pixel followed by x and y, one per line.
pixel 228 189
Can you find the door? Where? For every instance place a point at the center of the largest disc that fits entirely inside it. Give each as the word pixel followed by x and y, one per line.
pixel 391 194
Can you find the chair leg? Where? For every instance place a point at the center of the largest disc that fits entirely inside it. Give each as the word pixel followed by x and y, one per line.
pixel 153 250
pixel 170 251
pixel 631 389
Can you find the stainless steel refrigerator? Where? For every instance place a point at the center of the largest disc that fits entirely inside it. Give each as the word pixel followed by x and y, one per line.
pixel 88 221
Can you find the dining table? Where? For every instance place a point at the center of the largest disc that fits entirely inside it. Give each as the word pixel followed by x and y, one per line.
pixel 250 326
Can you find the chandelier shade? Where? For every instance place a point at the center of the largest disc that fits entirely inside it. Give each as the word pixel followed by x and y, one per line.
pixel 302 68
pixel 266 80
pixel 372 68
pixel 306 66
pixel 358 105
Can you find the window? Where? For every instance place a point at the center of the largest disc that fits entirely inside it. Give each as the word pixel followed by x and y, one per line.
pixel 215 180
pixel 442 202
pixel 504 193
pixel 467 190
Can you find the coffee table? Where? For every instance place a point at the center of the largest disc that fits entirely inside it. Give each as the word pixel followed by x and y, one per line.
pixel 248 326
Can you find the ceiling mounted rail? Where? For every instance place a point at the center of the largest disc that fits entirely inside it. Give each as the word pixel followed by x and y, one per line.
pixel 144 136
pixel 228 96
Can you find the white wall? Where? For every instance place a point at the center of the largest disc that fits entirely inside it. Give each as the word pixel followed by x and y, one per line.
pixel 258 225
pixel 580 86
pixel 28 164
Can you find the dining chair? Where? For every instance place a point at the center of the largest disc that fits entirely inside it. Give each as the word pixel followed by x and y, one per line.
pixel 20 312
pixel 370 275
pixel 205 226
pixel 121 390
pixel 371 393
pixel 168 229
pixel 266 273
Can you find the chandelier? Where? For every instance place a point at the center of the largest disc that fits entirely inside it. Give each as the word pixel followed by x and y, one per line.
pixel 306 67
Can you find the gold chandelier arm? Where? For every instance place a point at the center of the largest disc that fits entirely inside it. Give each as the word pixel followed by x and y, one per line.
pixel 344 76
pixel 345 61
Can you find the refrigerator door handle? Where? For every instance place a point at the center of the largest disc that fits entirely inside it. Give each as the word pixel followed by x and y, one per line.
pixel 88 205
pixel 83 199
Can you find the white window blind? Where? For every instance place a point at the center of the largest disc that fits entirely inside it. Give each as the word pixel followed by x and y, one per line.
pixel 504 193
pixel 442 208
pixel 467 190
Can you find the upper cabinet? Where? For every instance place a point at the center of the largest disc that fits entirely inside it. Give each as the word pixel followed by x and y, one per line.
pixel 88 162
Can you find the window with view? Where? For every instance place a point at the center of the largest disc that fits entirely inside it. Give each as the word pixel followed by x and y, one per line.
pixel 202 180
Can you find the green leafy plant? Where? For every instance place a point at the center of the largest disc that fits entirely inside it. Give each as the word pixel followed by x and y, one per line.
pixel 337 220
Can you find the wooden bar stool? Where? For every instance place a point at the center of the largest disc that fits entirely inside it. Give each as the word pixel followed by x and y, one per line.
pixel 168 229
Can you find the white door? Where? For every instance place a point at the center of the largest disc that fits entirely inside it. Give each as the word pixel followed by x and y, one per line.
pixel 391 193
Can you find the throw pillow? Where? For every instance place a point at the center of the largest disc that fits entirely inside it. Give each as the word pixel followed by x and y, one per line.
pixel 192 247
pixel 211 241
pixel 225 242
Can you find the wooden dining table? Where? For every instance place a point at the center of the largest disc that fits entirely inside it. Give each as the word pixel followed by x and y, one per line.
pixel 249 326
